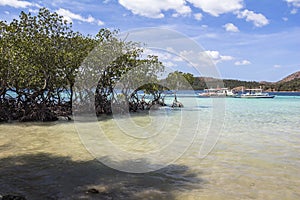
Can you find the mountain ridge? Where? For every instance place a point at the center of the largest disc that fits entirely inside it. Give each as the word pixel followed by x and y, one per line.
pixel 293 76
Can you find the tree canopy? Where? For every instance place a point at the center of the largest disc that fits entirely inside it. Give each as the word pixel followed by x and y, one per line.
pixel 41 58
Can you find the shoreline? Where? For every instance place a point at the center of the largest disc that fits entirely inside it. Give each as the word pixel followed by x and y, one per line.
pixel 285 91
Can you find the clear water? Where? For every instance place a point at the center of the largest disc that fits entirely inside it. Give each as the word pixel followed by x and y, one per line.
pixel 257 155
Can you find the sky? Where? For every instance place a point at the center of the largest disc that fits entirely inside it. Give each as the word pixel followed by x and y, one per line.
pixel 244 39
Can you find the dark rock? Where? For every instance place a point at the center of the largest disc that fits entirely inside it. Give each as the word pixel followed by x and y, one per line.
pixel 93 191
pixel 13 197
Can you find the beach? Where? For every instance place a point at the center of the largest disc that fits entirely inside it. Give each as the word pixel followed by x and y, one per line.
pixel 256 156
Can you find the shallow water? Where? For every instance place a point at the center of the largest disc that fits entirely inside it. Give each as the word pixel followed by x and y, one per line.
pixel 257 154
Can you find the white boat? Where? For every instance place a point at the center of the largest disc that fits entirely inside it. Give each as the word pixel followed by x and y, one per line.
pixel 255 93
pixel 217 92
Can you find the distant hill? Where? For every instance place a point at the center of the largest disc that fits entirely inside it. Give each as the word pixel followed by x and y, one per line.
pixel 201 83
pixel 291 77
pixel 289 83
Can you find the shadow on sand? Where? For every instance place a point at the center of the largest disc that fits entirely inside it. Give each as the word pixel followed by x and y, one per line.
pixel 46 176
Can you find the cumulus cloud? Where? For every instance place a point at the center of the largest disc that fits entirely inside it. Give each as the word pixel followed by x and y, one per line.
pixel 217 57
pixel 295 3
pixel 168 58
pixel 258 19
pixel 243 62
pixel 169 64
pixel 162 55
pixel 34 11
pixel 203 58
pixel 213 54
pixel 154 8
pixel 186 53
pixel 225 58
pixel 217 7
pixel 231 27
pixel 100 23
pixel 198 16
pixel 70 16
pixel 16 3
pixel 193 58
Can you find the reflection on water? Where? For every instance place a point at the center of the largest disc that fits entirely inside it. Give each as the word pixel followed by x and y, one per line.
pixel 257 157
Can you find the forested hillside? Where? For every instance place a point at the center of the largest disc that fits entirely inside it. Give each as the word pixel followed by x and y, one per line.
pixel 289 83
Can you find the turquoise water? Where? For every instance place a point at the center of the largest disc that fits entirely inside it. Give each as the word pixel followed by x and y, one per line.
pixel 255 153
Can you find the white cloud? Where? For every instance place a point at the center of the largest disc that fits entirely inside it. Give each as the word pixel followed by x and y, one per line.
pixel 186 53
pixel 34 11
pixel 203 58
pixel 100 23
pixel 258 19
pixel 213 54
pixel 243 62
pixel 169 64
pixel 154 8
pixel 231 27
pixel 285 19
pixel 198 16
pixel 277 66
pixel 178 59
pixel 211 35
pixel 7 12
pixel 217 57
pixel 15 3
pixel 294 11
pixel 226 58
pixel 217 7
pixel 69 16
pixel 166 57
pixel 295 3
pixel 193 58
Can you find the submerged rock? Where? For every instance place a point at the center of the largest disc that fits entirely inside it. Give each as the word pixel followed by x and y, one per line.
pixel 101 194
pixel 12 197
pixel 93 191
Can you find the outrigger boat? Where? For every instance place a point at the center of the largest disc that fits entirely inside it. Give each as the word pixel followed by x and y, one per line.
pixel 255 93
pixel 217 92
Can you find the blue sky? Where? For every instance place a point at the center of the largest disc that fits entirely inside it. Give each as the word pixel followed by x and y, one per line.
pixel 245 39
